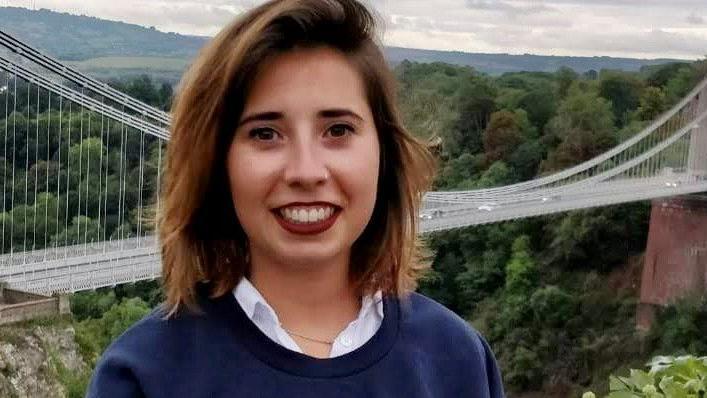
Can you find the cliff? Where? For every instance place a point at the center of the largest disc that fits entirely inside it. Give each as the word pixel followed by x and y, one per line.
pixel 39 359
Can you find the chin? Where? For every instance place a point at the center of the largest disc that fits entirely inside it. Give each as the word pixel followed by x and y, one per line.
pixel 307 255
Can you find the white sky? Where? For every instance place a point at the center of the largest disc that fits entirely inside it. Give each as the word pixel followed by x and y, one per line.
pixel 626 28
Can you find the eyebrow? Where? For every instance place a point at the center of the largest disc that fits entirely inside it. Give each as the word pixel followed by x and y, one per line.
pixel 324 114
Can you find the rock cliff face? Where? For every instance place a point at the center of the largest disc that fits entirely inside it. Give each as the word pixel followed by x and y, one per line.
pixel 36 358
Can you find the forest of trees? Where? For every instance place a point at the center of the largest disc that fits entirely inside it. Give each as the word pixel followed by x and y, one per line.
pixel 68 175
pixel 554 295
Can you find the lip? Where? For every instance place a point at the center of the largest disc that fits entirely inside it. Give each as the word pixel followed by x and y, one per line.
pixel 317 203
pixel 309 228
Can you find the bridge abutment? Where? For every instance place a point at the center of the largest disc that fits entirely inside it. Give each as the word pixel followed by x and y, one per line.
pixel 675 263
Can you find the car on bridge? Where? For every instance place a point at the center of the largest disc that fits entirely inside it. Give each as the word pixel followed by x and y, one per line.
pixel 488 206
pixel 428 215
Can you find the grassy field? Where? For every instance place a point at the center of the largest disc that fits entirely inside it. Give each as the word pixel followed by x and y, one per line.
pixel 152 63
pixel 161 69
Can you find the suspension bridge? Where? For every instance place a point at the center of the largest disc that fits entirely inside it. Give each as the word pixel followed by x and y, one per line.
pixel 81 168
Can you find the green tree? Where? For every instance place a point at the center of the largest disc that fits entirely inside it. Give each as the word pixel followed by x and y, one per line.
pixel 82 229
pixel 624 91
pixel 91 304
pixel 502 136
pixel 541 105
pixel 565 77
pixel 476 104
pixel 552 306
pixel 661 74
pixel 521 272
pixel 496 175
pixel 578 239
pixel 680 84
pixel 584 128
pixel 653 103
pixel 525 159
pixel 94 335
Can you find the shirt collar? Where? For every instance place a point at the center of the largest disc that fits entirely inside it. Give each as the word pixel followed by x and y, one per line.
pixel 254 303
pixel 248 297
pixel 375 301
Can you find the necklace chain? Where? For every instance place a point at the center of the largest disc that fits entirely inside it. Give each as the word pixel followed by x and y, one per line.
pixel 328 342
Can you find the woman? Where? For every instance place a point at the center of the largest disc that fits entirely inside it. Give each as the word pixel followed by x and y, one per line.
pixel 289 229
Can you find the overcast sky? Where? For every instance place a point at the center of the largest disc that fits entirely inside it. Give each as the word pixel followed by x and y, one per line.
pixel 630 28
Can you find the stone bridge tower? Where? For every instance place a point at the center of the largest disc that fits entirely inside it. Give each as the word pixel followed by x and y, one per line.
pixel 675 264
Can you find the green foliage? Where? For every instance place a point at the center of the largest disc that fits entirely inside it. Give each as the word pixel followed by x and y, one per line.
pixel 537 288
pixel 680 84
pixel 526 159
pixel 668 377
pixel 577 239
pixel 75 384
pixel 521 273
pixel 496 175
pixel 653 103
pixel 94 335
pixel 56 168
pixel 583 127
pixel 476 104
pixel 461 172
pixel 624 91
pixel 91 304
pixel 540 104
pixel 659 75
pixel 553 306
pixel 145 89
pixel 565 77
pixel 681 328
pixel 502 136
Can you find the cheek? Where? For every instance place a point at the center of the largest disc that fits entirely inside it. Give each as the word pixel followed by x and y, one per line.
pixel 246 180
pixel 362 173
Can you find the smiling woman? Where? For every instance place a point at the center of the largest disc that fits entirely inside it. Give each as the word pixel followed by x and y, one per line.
pixel 289 229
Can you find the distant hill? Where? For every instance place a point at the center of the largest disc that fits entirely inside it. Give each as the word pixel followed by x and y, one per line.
pixel 78 38
pixel 116 48
pixel 502 63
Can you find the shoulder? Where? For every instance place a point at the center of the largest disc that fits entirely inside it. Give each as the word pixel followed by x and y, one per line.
pixel 447 337
pixel 156 332
pixel 425 315
pixel 143 352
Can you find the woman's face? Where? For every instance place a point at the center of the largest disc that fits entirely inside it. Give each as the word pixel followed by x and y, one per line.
pixel 303 163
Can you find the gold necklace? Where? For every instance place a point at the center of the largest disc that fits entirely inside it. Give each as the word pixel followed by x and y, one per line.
pixel 327 342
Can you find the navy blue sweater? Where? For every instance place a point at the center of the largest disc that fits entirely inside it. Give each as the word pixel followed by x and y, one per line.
pixel 421 350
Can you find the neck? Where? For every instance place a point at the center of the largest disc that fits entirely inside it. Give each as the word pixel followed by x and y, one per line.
pixel 315 300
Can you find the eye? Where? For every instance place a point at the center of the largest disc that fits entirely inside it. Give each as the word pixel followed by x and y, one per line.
pixel 340 130
pixel 263 134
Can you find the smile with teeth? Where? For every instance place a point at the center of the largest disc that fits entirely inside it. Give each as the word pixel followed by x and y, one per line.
pixel 307 214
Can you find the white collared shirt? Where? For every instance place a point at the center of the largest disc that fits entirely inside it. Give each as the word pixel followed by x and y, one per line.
pixel 356 334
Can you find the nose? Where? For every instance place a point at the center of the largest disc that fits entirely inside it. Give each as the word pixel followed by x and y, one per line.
pixel 305 167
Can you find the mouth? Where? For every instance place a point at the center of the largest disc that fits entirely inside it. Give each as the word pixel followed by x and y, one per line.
pixel 307 219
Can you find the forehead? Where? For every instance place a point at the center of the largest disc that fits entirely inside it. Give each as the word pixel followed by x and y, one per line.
pixel 305 80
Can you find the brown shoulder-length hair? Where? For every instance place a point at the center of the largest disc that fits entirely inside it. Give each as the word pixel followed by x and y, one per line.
pixel 200 236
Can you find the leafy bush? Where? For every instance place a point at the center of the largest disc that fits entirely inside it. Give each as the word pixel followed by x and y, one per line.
pixel 91 304
pixel 681 328
pixel 94 335
pixel 552 306
pixel 668 377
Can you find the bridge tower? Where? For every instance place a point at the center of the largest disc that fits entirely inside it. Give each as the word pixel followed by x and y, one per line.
pixel 675 263
pixel 697 156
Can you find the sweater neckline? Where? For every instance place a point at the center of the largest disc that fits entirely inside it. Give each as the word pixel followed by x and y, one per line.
pixel 262 347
